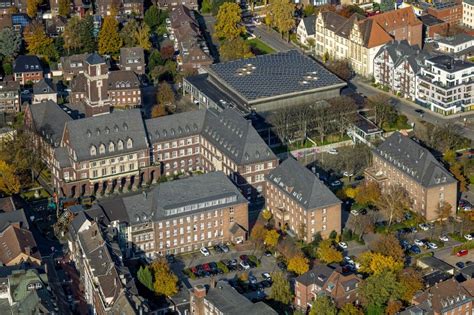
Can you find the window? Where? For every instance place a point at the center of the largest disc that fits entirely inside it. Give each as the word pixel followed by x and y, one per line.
pixel 111 147
pixel 102 148
pixel 120 145
pixel 93 150
pixel 129 143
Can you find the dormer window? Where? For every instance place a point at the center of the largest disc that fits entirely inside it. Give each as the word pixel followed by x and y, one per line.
pixel 107 130
pixel 125 126
pixel 129 143
pixel 102 149
pixel 111 147
pixel 93 150
pixel 120 145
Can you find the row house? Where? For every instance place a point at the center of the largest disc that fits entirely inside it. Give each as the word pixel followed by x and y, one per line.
pixel 121 7
pixel 446 85
pixel 109 288
pixel 305 31
pixel 27 69
pixel 73 65
pixel 124 89
pixel 133 59
pixel 396 66
pixel 43 91
pixel 9 96
pixel 185 215
pixel 171 5
pixel 324 280
pixel 300 202
pixel 358 39
pixel 401 161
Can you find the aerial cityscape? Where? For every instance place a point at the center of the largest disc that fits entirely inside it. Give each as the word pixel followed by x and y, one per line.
pixel 220 157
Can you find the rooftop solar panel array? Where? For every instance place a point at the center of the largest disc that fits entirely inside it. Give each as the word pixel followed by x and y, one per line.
pixel 273 75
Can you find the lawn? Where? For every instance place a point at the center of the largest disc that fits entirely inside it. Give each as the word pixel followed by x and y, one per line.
pixel 259 47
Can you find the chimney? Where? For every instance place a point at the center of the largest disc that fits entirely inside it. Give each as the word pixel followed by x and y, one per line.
pixel 200 291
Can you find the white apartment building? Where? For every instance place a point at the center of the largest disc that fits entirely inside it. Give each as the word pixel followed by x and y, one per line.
pixel 445 85
pixel 468 13
pixel 460 46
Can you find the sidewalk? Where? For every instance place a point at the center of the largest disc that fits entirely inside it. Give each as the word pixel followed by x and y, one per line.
pixel 367 85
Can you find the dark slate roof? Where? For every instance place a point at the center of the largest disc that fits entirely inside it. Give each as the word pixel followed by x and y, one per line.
pixel 77 223
pixel 18 216
pixel 132 55
pixel 230 302
pixel 436 264
pixel 115 210
pixel 310 24
pixel 273 75
pixel 62 156
pixel 94 59
pixel 202 83
pixel 400 51
pixel 228 130
pixel 180 193
pixel 449 64
pixel 455 40
pixel 332 20
pixel 366 125
pixel 301 185
pixel 45 86
pixel 49 120
pixel 414 160
pixel 318 275
pixel 104 129
pixel 123 79
pixel 27 63
pixel 430 20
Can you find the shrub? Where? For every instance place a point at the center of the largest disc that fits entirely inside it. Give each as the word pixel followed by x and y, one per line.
pixel 255 260
pixel 466 245
pixel 189 274
pixel 222 267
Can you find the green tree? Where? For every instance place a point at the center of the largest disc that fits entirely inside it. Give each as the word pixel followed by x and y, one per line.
pixel 109 38
pixel 206 6
pixel 72 34
pixel 127 33
pixel 234 49
pixel 379 288
pixel 63 7
pixel 350 309
pixel 142 36
pixel 228 22
pixel 10 42
pixel 323 305
pixel 281 15
pixel 281 291
pixel 9 182
pixel 327 253
pixel 309 10
pixel 86 35
pixel 165 280
pixel 145 277
pixel 152 17
pixel 165 95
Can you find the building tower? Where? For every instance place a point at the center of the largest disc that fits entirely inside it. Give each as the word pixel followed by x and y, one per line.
pixel 97 101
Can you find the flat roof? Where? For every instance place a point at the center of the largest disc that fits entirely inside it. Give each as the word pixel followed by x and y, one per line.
pixel 274 75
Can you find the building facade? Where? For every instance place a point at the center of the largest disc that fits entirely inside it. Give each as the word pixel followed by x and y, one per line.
pixel 9 96
pixel 401 161
pixel 468 13
pixel 449 11
pixel 27 69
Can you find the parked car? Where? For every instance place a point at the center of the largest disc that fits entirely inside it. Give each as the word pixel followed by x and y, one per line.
pixel 468 237
pixel 424 226
pixel 204 251
pixel 443 238
pixel 348 174
pixel 268 253
pixel 224 248
pixel 282 265
pixel 462 252
pixel 342 245
pixel 415 249
pixel 407 215
pixel 252 279
pixel 333 151
pixel 460 264
pixel 266 276
pixel 217 249
pixel 355 212
pixel 432 245
pixel 336 183
pixel 418 242
pixel 363 211
pixel 348 260
pixel 244 265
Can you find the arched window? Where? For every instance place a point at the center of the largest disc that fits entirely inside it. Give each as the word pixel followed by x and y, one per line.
pixel 129 143
pixel 93 150
pixel 120 145
pixel 111 147
pixel 102 148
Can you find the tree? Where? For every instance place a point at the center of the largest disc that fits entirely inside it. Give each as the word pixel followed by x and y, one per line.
pixel 393 202
pixel 152 17
pixel 384 112
pixel 165 95
pixel 257 235
pixel 206 6
pixel 281 291
pixel 375 263
pixel 323 305
pixel 142 36
pixel 10 43
pixel 281 15
pixel 457 172
pixel 411 282
pixel 327 253
pixel 165 280
pixel 228 22
pixel 299 264
pixel 145 277
pixel 271 238
pixel 158 110
pixel 309 10
pixel 167 49
pixel 72 34
pixel 63 7
pixel 350 309
pixel 393 307
pixel 389 245
pixel 368 193
pixel 444 211
pixel 31 8
pixel 9 182
pixel 449 156
pixel 341 68
pixel 234 49
pixel 267 214
pixel 87 36
pixel 127 33
pixel 37 42
pixel 109 38
pixel 379 288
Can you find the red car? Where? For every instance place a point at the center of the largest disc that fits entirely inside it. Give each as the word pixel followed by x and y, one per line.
pixel 206 267
pixel 462 252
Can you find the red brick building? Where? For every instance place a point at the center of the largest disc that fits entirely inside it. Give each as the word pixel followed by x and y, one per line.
pixel 27 69
pixel 448 11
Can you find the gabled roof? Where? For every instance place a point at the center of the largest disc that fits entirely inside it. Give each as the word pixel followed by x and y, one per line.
pixel 318 275
pixel 123 79
pixel 309 24
pixel 135 54
pixel 301 185
pixel 392 20
pixel 400 51
pixel 45 86
pixel 414 160
pixel 16 217
pixel 332 20
pixel 15 241
pixel 373 34
pixel 27 63
pixel 94 59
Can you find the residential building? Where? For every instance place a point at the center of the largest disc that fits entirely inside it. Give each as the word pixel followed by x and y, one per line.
pixel 104 7
pixel 306 30
pixel 25 291
pixel 173 4
pixel 27 69
pixel 7 5
pixel 358 39
pixel 324 280
pixel 18 246
pixel 265 83
pixel 224 299
pixel 468 13
pixel 55 27
pixel 109 288
pixel 185 215
pixel 72 65
pixel 446 85
pixel 432 26
pixel 400 160
pixel 396 66
pixel 43 91
pixel 133 7
pixel 448 11
pixel 300 202
pixel 459 46
pixel 133 59
pixel 9 96
pixel 124 89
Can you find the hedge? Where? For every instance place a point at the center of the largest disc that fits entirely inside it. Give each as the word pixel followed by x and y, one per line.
pixel 466 245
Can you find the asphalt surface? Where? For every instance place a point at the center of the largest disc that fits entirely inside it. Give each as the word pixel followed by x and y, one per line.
pixel 271 38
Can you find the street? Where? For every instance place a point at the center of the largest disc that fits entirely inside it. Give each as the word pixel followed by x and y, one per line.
pixel 271 38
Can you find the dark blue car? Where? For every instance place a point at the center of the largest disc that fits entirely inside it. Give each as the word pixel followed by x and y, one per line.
pixel 415 249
